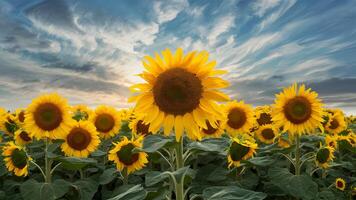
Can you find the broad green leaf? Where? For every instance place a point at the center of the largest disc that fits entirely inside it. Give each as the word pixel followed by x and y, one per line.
pixel 217 174
pixel 210 145
pixel 153 143
pixel 260 161
pixel 74 163
pixel 326 195
pixel 86 188
pixel 33 190
pixel 157 194
pixel 60 187
pixel 98 153
pixel 136 192
pixel 107 176
pixel 231 193
pixel 303 187
pixel 154 177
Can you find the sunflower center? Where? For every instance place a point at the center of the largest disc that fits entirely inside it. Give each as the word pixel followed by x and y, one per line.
pixel 48 116
pixel 323 155
pixel 267 133
pixel 19 158
pixel 126 156
pixel 210 130
pixel 236 118
pixel 298 110
pixel 24 136
pixel 104 123
pixel 238 151
pixel 334 124
pixel 264 118
pixel 142 128
pixel 177 91
pixel 22 116
pixel 78 138
pixel 340 184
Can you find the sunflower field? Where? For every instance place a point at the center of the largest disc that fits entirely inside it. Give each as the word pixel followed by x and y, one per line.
pixel 184 138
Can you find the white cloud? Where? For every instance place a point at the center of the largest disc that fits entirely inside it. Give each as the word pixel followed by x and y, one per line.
pixel 262 6
pixel 222 25
pixel 167 11
pixel 282 9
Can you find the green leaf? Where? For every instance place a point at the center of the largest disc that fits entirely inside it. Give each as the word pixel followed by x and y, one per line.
pixel 74 163
pixel 134 193
pixel 98 153
pixel 186 171
pixel 210 145
pixel 107 176
pixel 153 143
pixel 231 193
pixel 86 188
pixel 154 177
pixel 260 161
pixel 60 187
pixel 218 174
pixel 302 186
pixel 33 190
pixel 326 195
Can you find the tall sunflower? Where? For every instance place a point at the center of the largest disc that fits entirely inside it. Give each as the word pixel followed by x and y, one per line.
pixel 324 156
pixel 48 116
pixel 16 159
pixel 214 130
pixel 331 141
pixel 267 133
pixel 106 120
pixel 8 124
pixel 139 127
pixel 81 140
pixel 180 93
pixel 298 110
pixel 80 112
pixel 240 118
pixel 263 115
pixel 22 137
pixel 124 157
pixel 336 124
pixel 240 150
pixel 340 184
pixel 20 116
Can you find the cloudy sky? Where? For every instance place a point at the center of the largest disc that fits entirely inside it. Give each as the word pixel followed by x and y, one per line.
pixel 89 51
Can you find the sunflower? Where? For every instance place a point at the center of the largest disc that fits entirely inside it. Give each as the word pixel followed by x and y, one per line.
pixel 331 141
pixel 299 111
pixel 20 116
pixel 81 140
pixel 16 159
pixel 336 123
pixel 48 116
pixel 8 124
pixel 324 156
pixel 127 114
pixel 139 127
pixel 80 112
pixel 340 184
pixel 283 143
pixel 240 118
pixel 22 137
pixel 123 156
pixel 180 93
pixel 106 120
pixel 263 115
pixel 214 130
pixel 267 133
pixel 240 150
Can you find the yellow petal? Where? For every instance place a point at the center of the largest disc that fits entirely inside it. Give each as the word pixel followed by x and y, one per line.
pixel 178 127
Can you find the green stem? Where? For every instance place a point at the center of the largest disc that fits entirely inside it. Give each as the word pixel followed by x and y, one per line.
pixel 125 176
pixel 48 164
pixel 179 187
pixel 81 174
pixel 297 155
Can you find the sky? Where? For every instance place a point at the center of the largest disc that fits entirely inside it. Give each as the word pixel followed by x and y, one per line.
pixel 90 51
